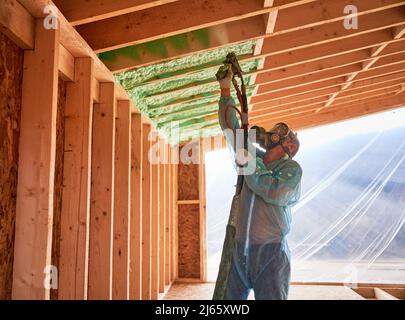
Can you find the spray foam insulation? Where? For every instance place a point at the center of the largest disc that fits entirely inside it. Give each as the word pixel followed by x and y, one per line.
pixel 180 96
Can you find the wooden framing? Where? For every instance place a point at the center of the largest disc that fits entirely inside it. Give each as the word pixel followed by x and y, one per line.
pixel 17 23
pixel 122 206
pixel 78 12
pixel 175 234
pixel 34 213
pixel 119 31
pixel 155 208
pixel 162 216
pixel 75 215
pixel 135 231
pixel 168 216
pixel 102 195
pixel 203 215
pixel 146 215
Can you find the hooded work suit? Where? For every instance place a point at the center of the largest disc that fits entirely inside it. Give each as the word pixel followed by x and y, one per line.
pixel 261 258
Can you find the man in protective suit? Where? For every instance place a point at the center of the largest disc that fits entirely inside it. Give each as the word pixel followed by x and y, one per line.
pixel 261 258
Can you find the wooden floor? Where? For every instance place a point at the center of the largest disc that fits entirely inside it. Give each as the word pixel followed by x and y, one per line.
pixel 203 291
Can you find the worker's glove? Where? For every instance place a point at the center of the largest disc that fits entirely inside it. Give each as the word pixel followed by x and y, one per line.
pixel 225 81
pixel 243 157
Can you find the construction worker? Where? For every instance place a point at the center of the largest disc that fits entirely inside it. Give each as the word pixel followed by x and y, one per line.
pixel 261 258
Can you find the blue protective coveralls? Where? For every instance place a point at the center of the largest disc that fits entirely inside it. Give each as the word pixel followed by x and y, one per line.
pixel 261 258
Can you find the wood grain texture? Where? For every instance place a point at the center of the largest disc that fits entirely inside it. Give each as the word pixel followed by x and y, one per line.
pixel 11 71
pixel 33 236
pixel 102 195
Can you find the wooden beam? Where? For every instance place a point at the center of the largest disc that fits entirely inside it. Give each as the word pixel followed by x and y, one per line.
pixel 168 230
pixel 36 168
pixel 383 295
pixel 290 103
pixel 305 16
pixel 155 207
pixel 343 112
pixel 17 23
pixel 75 215
pixel 122 206
pixel 279 62
pixel 146 215
pixel 332 77
pixel 175 233
pixel 304 38
pixel 135 266
pixel 193 42
pixel 66 65
pixel 179 18
pixel 317 103
pixel 162 216
pixel 79 12
pixel 203 215
pixel 398 32
pixel 102 195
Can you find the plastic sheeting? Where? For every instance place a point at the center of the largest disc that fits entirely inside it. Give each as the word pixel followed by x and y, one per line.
pixel 349 225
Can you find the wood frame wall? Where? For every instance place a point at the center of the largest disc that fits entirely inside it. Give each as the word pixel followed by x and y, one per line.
pixel 106 193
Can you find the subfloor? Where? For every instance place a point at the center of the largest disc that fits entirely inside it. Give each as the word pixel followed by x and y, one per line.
pixel 203 291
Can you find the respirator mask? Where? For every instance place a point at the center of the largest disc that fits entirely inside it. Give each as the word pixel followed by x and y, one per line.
pixel 267 140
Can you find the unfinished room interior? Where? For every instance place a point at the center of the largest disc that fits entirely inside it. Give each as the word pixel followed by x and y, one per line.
pixel 116 181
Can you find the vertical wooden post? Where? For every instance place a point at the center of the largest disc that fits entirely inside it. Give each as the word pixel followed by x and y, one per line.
pixel 202 218
pixel 75 214
pixel 102 194
pixel 135 231
pixel 33 230
pixel 175 238
pixel 162 215
pixel 146 215
pixel 167 217
pixel 120 271
pixel 155 226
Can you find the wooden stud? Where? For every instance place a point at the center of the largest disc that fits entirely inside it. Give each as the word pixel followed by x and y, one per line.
pixel 102 195
pixel 75 215
pixel 162 216
pixel 34 207
pixel 167 218
pixel 135 266
pixel 155 206
pixel 175 230
pixel 122 207
pixel 146 215
pixel 203 216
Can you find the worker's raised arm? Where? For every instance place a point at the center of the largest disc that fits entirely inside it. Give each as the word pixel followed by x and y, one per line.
pixel 279 187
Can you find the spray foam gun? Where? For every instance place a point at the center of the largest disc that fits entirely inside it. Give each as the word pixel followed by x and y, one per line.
pixel 232 60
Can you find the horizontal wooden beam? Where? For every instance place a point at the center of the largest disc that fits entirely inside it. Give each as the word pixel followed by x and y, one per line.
pixel 305 16
pixel 363 42
pixel 66 65
pixel 299 100
pixel 320 35
pixel 177 18
pixel 330 115
pixel 17 23
pixel 81 12
pixel 316 104
pixel 185 44
pixel 330 78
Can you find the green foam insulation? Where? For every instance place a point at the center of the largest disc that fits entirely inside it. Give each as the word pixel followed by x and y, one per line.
pixel 181 96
